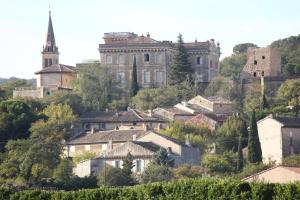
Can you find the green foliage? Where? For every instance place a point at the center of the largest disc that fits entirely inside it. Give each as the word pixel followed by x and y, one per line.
pixel 292 161
pixel 221 86
pixel 63 171
pixel 134 88
pixel 156 173
pixel 228 134
pixel 199 136
pixel 254 148
pixel 189 171
pixel 289 92
pixel 162 157
pixel 288 69
pixel 252 98
pixel 127 169
pixel 232 66
pixel 6 89
pixel 112 176
pixel 15 120
pixel 95 86
pixel 180 69
pixel 250 169
pixel 263 102
pixel 36 158
pixel 220 163
pixel 200 189
pixel 240 161
pixel 242 48
pixel 159 97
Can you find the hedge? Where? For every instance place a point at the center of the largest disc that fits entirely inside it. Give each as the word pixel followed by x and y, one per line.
pixel 198 189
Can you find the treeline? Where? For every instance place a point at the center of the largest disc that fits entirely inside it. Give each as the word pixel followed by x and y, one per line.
pixel 197 189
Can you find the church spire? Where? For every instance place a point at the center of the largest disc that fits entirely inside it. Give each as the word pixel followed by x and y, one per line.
pixel 50 45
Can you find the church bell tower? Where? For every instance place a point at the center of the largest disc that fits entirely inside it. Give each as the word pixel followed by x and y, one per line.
pixel 50 54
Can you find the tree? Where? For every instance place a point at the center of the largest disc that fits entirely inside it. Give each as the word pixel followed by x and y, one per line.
pixel 127 169
pixel 289 92
pixel 288 69
pixel 232 66
pixel 242 48
pixel 15 120
pixel 63 171
pixel 134 88
pixel 111 176
pixel 224 163
pixel 220 86
pixel 96 87
pixel 240 161
pixel 156 173
pixel 244 134
pixel 263 102
pixel 180 69
pixel 162 157
pixel 254 148
pixel 8 87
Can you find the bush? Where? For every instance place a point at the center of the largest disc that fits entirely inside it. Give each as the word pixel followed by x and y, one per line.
pixel 156 173
pixel 292 161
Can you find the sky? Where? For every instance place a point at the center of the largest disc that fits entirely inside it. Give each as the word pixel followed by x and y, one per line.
pixel 79 26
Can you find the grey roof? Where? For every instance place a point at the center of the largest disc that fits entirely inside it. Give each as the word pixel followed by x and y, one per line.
pixel 293 122
pixel 120 116
pixel 217 99
pixel 176 141
pixel 105 136
pixel 57 68
pixel 148 145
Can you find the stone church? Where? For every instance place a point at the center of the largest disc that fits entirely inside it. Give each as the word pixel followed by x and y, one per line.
pixel 53 76
pixel 154 58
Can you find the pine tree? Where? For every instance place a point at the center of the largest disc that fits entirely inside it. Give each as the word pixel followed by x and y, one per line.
pixel 161 157
pixel 180 68
pixel 263 102
pixel 128 164
pixel 240 161
pixel 254 148
pixel 134 88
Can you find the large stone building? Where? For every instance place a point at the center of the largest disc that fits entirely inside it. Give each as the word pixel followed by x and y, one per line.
pixel 53 76
pixel 154 57
pixel 262 62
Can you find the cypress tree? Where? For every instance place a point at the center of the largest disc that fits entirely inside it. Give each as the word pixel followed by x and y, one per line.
pixel 263 102
pixel 134 88
pixel 180 68
pixel 126 170
pixel 240 161
pixel 244 134
pixel 254 148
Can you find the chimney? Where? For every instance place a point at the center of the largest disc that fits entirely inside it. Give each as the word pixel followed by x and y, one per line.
pixel 187 141
pixel 106 109
pixel 92 130
pixel 145 127
pixel 134 137
pixel 116 128
pixel 150 113
pixel 184 103
pixel 110 145
pixel 148 35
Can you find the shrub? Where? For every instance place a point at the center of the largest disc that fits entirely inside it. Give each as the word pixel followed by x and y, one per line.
pixel 155 173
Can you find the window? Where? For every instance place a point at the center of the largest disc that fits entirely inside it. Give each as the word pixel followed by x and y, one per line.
pixel 159 77
pixel 146 77
pixel 263 57
pixel 262 73
pixel 138 165
pixel 255 62
pixel 146 57
pixel 159 58
pixel 121 59
pixel 108 59
pixel 199 60
pixel 254 74
pixel 121 77
pixel 50 62
pixel 46 62
pixel 117 164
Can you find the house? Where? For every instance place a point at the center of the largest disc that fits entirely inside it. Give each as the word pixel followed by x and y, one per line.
pixel 211 111
pixel 100 141
pixel 279 137
pixel 108 120
pixel 142 149
pixel 277 174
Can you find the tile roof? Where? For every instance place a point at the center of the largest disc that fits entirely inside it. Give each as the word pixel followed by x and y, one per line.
pixel 58 68
pixel 105 136
pixel 120 116
pixel 176 141
pixel 293 122
pixel 217 99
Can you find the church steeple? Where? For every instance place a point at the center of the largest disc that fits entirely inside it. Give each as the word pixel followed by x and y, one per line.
pixel 50 50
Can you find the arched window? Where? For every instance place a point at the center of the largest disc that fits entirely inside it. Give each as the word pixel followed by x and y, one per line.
pixel 146 57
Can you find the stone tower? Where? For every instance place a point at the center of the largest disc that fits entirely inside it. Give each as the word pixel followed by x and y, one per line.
pixel 50 54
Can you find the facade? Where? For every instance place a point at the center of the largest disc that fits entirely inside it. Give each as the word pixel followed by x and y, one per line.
pixel 211 111
pixel 53 76
pixel 278 174
pixel 262 62
pixel 153 58
pixel 279 137
pixel 142 150
pixel 108 120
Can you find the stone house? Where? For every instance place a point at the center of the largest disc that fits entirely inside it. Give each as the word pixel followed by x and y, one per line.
pixel 53 76
pixel 142 150
pixel 211 111
pixel 279 137
pixel 153 58
pixel 108 120
pixel 262 62
pixel 277 174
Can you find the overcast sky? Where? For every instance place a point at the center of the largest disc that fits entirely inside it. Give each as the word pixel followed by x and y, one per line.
pixel 79 25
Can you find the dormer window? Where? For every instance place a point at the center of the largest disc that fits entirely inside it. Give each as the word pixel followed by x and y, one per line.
pixel 146 57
